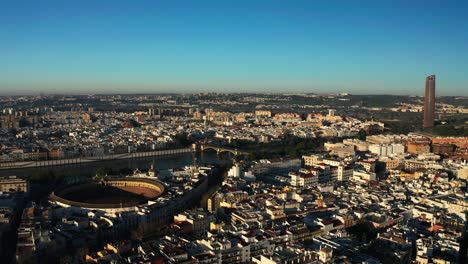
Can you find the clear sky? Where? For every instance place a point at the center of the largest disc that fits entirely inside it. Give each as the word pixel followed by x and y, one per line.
pixel 114 46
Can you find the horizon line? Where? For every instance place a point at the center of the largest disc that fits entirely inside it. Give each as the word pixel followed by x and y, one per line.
pixel 206 92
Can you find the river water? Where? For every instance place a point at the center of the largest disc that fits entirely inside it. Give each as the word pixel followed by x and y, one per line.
pixel 89 169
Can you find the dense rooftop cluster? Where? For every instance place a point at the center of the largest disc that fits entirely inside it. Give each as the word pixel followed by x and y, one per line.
pixel 355 210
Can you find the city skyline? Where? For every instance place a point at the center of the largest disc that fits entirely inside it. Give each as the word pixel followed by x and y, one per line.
pixel 206 46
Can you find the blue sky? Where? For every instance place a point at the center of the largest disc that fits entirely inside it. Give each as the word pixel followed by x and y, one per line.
pixel 243 46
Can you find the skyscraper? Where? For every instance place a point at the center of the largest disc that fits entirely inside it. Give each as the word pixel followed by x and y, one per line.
pixel 429 102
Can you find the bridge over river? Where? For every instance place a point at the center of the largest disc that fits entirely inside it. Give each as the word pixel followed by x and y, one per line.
pixel 220 150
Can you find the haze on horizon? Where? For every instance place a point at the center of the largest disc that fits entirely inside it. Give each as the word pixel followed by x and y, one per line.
pixel 365 47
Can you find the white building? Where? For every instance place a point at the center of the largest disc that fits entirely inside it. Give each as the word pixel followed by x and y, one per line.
pixel 341 173
pixel 303 179
pixel 385 150
pixel 364 175
pixel 236 171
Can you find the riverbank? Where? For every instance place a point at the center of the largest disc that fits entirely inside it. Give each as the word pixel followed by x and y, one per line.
pixel 84 160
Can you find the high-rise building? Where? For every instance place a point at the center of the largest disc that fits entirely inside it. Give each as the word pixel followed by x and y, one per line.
pixel 429 102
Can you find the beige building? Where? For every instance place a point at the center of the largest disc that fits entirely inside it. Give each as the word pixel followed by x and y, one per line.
pixel 368 165
pixel 391 164
pixel 413 165
pixel 12 184
pixel 266 113
pixel 311 160
pixel 463 173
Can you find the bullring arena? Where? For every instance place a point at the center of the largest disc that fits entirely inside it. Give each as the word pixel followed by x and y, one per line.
pixel 111 194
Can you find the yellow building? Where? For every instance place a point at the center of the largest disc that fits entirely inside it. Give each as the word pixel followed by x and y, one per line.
pixel 265 113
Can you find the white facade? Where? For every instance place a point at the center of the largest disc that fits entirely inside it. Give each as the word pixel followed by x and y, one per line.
pixel 294 179
pixel 301 180
pixel 398 148
pixel 341 173
pixel 236 171
pixel 363 175
pixel 308 180
pixel 384 150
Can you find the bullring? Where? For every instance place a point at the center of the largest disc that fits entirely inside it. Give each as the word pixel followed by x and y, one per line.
pixel 114 194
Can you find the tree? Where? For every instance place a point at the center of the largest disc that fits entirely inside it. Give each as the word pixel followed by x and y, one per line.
pixel 103 171
pixel 43 175
pixel 125 171
pixel 183 140
pixel 139 233
pixel 362 135
pixel 66 259
pixel 82 252
pixel 363 230
pixel 25 258
pixel 293 153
